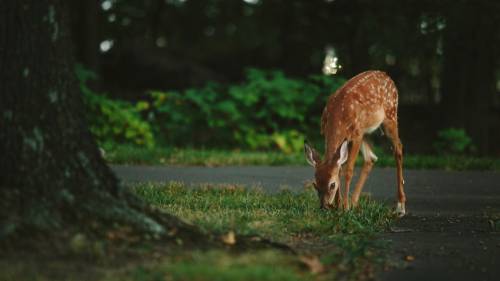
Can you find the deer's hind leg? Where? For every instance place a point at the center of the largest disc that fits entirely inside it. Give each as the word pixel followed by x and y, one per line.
pixel 391 129
pixel 369 159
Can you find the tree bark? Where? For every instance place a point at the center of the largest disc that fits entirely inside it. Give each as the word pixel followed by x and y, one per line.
pixel 53 176
pixel 86 33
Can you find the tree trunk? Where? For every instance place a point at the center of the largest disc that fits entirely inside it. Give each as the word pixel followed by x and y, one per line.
pixel 470 45
pixel 53 176
pixel 86 33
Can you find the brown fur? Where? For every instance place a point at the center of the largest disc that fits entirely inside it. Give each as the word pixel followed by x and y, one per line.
pixel 361 104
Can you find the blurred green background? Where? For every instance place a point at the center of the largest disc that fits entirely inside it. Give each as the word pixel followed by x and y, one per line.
pixel 246 74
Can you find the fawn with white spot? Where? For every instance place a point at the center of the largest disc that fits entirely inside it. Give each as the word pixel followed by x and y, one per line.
pixel 359 107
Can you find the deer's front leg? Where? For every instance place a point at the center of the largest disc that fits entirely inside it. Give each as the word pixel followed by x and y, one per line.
pixel 353 153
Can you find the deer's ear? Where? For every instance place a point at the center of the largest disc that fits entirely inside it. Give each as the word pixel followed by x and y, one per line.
pixel 312 156
pixel 343 154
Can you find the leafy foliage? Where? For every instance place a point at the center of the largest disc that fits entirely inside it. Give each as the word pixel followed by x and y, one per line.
pixel 113 121
pixel 453 141
pixel 268 110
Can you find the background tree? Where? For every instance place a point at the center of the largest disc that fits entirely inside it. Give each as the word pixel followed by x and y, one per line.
pixel 470 68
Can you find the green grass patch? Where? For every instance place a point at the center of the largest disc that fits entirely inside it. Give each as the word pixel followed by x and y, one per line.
pixel 251 211
pixel 123 154
pixel 219 265
pixel 345 242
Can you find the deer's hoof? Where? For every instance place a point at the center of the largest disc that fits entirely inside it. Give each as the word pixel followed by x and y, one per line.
pixel 400 210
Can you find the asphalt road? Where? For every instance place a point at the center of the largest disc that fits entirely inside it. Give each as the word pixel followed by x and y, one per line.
pixel 452 229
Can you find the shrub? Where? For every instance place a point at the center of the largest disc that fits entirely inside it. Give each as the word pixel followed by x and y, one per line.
pixel 113 121
pixel 268 110
pixel 453 141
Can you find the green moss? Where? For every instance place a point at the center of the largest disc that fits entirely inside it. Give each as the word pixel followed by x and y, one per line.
pixel 38 137
pixel 83 158
pixel 7 115
pixel 53 96
pixel 52 20
pixel 67 173
pixel 35 140
pixel 67 196
pixel 117 211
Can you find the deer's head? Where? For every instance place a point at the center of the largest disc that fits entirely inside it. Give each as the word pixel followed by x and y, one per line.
pixel 326 174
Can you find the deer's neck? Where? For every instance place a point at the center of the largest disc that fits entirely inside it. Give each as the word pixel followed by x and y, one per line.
pixel 333 140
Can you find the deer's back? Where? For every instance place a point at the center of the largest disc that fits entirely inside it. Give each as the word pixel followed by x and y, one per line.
pixel 361 103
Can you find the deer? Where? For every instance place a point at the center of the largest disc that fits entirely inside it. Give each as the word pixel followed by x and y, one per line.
pixel 356 109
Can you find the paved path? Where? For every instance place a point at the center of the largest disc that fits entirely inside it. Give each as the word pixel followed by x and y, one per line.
pixel 448 229
pixel 428 192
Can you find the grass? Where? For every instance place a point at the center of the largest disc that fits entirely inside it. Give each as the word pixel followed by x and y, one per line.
pixel 123 154
pixel 331 242
pixel 328 244
pixel 218 265
pixel 252 212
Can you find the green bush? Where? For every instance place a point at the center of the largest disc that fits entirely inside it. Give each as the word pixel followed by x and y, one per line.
pixel 113 121
pixel 453 141
pixel 267 111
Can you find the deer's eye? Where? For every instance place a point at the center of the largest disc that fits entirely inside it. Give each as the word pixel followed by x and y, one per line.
pixel 332 185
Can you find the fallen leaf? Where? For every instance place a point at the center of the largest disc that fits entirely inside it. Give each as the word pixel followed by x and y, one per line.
pixel 256 239
pixel 79 243
pixel 409 258
pixel 229 238
pixel 111 235
pixel 179 241
pixel 400 229
pixel 172 232
pixel 312 263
